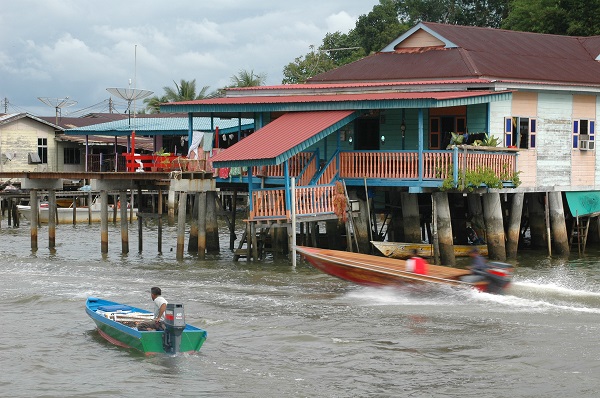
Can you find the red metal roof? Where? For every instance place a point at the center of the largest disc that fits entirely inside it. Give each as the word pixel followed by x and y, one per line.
pixel 266 99
pixel 281 135
pixel 481 52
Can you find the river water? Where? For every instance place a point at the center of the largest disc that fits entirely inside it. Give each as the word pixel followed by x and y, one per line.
pixel 278 331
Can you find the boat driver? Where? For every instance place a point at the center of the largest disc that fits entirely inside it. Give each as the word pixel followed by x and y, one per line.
pixel 160 306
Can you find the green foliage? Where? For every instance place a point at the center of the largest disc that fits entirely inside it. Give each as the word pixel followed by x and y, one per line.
pixel 246 78
pixel 307 66
pixel 489 140
pixel 481 176
pixel 486 13
pixel 561 17
pixel 184 91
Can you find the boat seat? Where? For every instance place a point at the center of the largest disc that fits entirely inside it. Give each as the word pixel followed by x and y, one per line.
pixel 114 308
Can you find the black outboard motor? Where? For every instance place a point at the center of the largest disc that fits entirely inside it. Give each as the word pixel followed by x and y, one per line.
pixel 174 325
pixel 498 275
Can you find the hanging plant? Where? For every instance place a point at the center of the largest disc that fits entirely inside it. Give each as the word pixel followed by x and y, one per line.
pixel 340 203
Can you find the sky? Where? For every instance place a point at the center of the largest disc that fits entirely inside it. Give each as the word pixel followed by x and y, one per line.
pixel 76 49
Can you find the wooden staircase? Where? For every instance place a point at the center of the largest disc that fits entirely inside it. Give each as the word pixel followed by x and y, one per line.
pixel 579 232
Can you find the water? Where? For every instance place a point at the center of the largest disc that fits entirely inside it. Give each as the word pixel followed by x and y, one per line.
pixel 275 331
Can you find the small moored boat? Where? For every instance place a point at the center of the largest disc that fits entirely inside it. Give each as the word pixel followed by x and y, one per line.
pixel 403 250
pixel 116 323
pixel 365 269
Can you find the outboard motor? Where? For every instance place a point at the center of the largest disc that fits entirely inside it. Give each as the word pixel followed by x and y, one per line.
pixel 497 275
pixel 174 325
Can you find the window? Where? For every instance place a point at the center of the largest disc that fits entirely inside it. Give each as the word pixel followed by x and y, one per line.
pixel 520 132
pixel 72 156
pixel 43 149
pixel 440 129
pixel 583 129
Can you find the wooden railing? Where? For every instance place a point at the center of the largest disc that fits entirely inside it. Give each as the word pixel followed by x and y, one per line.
pixel 330 171
pixel 161 163
pixel 102 162
pixel 310 200
pixel 308 173
pixel 314 200
pixel 268 203
pixel 379 164
pixel 436 164
pixel 296 164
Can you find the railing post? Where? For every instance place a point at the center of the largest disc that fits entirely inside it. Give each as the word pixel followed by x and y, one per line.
pixel 455 165
pixel 420 134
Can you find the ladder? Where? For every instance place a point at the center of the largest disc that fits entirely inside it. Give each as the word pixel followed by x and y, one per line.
pixel 579 233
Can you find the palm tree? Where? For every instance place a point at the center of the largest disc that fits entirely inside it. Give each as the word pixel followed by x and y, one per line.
pixel 246 78
pixel 184 91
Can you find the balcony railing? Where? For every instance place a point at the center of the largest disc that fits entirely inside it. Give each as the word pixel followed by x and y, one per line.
pixel 403 165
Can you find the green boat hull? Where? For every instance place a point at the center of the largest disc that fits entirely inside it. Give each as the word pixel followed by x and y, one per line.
pixel 148 342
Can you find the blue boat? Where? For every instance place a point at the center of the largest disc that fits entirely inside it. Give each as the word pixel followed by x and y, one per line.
pixel 116 323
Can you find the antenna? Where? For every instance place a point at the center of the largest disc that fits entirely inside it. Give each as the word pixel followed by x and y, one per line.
pixel 58 104
pixel 131 95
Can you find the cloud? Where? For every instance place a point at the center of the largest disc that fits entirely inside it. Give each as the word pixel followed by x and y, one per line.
pixel 57 48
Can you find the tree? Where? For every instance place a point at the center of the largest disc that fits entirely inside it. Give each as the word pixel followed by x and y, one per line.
pixel 561 17
pixel 371 33
pixel 484 13
pixel 246 78
pixel 184 91
pixel 378 28
pixel 307 66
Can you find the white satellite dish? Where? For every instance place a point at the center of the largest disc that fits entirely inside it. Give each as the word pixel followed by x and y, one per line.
pixel 57 104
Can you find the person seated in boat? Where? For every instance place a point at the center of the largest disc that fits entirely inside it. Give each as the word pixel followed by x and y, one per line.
pixel 160 306
pixel 478 263
pixel 416 264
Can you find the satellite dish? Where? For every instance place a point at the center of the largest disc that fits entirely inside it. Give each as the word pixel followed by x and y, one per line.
pixel 58 104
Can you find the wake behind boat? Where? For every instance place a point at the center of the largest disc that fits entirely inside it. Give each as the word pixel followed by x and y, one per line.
pixel 116 323
pixel 365 269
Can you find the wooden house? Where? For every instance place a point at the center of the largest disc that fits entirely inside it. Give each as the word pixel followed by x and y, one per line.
pixel 384 125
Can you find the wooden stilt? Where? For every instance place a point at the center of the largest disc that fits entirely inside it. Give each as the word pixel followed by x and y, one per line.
pixel 193 238
pixel 557 222
pixel 124 224
pixel 514 227
pixel 492 211
pixel 52 219
pixel 444 228
pixel 181 213
pixel 212 228
pixel 160 213
pixel 33 202
pixel 411 219
pixel 202 226
pixel 104 222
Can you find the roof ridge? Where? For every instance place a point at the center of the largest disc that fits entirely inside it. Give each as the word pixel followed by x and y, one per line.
pixel 466 57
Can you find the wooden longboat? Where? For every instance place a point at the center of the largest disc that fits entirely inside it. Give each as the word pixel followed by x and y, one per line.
pixel 64 215
pixel 369 270
pixel 403 250
pixel 115 323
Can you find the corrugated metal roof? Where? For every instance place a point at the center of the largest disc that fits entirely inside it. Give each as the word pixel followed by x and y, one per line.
pixel 161 126
pixel 480 52
pixel 282 138
pixel 385 100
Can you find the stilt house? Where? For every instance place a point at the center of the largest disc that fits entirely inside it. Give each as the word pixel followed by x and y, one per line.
pixel 463 126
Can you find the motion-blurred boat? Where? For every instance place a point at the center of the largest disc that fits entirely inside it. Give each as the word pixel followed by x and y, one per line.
pixel 365 269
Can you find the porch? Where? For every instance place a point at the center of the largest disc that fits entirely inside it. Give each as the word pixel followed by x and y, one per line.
pixel 315 179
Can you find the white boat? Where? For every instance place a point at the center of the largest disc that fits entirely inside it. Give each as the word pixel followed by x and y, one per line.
pixel 64 215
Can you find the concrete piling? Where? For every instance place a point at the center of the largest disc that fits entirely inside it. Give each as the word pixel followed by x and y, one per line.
pixel 492 212
pixel 560 238
pixel 514 225
pixel 411 219
pixel 444 228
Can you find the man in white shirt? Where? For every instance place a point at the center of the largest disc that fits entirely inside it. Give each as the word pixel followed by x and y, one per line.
pixel 160 306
